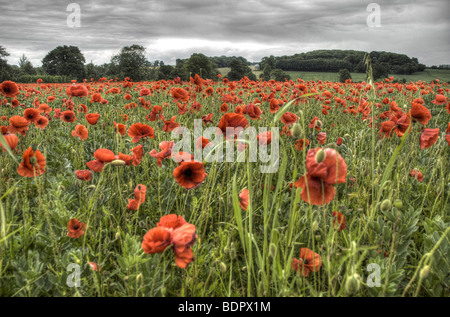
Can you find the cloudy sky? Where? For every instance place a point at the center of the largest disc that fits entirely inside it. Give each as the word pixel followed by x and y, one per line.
pixel 171 29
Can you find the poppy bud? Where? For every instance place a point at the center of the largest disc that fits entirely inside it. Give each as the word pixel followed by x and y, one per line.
pixel 296 131
pixel 353 284
pixel 320 156
pixel 425 271
pixel 222 267
pixel 386 205
pixel 117 235
pixel 118 163
pixel 226 250
pixel 163 291
pixel 233 254
pixel 315 226
pixel 33 160
pixel 73 151
pixel 34 147
pixel 273 250
pixel 139 278
pixel 398 204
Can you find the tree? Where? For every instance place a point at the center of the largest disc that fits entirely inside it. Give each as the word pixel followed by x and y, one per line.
pixel 344 74
pixel 265 75
pixel 165 72
pixel 239 69
pixel 5 69
pixel 278 75
pixel 379 71
pixel 26 66
pixel 131 62
pixel 201 65
pixel 65 61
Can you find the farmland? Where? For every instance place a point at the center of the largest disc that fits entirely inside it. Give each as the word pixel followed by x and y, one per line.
pixel 361 187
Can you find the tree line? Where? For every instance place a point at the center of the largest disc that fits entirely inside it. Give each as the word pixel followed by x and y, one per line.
pixel 65 63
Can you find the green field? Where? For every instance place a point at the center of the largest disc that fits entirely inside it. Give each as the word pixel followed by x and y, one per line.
pixel 427 76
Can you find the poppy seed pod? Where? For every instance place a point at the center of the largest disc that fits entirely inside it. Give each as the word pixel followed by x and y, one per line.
pixel 296 131
pixel 222 267
pixel 320 156
pixel 353 284
pixel 386 205
pixel 118 163
pixel 33 160
pixel 398 204
pixel 425 271
pixel 273 250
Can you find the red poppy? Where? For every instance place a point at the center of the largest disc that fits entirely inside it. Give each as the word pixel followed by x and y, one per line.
pixel 309 261
pixel 235 121
pixel 120 128
pixel 323 170
pixel 339 221
pixel 428 138
pixel 253 111
pixel 156 240
pixel 68 116
pixel 190 174
pixel 322 137
pixel 139 130
pixel 439 100
pixel 9 89
pixel 76 228
pixel 180 94
pixel 274 105
pixel 31 114
pixel 416 174
pixel 289 118
pixel 301 144
pixel 420 113
pixel 18 124
pixel 84 175
pixel 264 138
pixel 447 134
pixel 171 221
pixel 169 125
pixel 77 91
pixel 41 122
pixel 339 141
pixel 183 238
pixel 33 163
pixel 11 139
pixel 138 151
pixel 243 199
pixel 139 197
pixel 80 131
pixel 92 118
pixel 202 142
pixel 166 152
pixel 102 156
pixel 207 119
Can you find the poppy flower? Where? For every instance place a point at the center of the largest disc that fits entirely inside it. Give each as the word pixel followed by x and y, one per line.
pixel 9 89
pixel 236 121
pixel 183 238
pixel 33 163
pixel 207 119
pixel 420 113
pixel 41 122
pixel 274 105
pixel 180 94
pixel 309 261
pixel 102 156
pixel 253 111
pixel 31 114
pixel 182 157
pixel 416 174
pixel 224 108
pixel 171 221
pixel 120 128
pixel 80 131
pixel 387 128
pixel 11 139
pixel 139 130
pixel 18 124
pixel 138 151
pixel 339 141
pixel 315 124
pixel 264 138
pixel 156 240
pixel 94 266
pixel 322 137
pixel 403 124
pixel 339 221
pixel 190 174
pixel 77 91
pixel 169 125
pixel 301 144
pixel 439 100
pixel 428 138
pixel 76 228
pixel 202 142
pixel 324 168
pixel 243 199
pixel 139 197
pixel 289 118
pixel 166 152
pixel 84 175
pixel 92 118
pixel 68 116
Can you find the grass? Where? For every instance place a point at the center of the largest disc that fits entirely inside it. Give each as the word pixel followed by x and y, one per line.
pixel 238 253
pixel 427 75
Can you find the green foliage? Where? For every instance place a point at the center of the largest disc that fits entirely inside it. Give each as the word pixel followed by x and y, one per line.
pixel 201 65
pixel 65 61
pixel 131 62
pixel 344 74
pixel 279 75
pixel 240 69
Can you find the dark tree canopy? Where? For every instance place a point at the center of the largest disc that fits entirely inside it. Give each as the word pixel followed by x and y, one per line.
pixel 240 69
pixel 131 62
pixel 201 65
pixel 65 61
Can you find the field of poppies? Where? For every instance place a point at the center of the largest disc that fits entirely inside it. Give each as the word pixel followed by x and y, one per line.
pixel 95 199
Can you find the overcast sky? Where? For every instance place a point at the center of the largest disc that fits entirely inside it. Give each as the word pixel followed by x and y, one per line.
pixel 171 29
